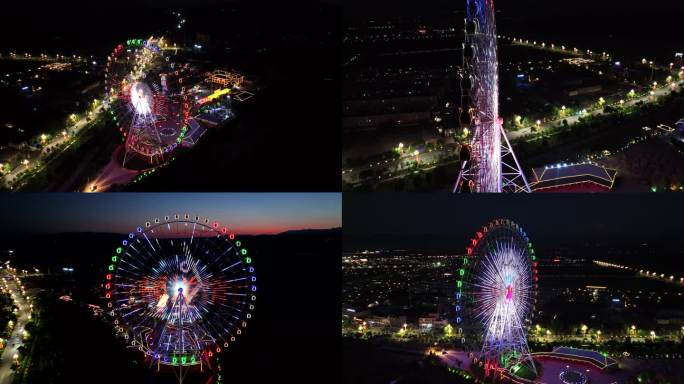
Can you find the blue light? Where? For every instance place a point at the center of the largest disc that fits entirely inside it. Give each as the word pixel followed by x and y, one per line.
pixel 24 88
pixel 616 300
pixel 521 75
pixel 617 63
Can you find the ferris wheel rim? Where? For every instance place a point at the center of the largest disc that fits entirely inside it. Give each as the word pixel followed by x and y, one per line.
pixel 142 331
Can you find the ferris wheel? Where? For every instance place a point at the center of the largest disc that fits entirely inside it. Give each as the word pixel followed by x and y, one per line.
pixel 180 289
pixel 496 296
pixel 146 97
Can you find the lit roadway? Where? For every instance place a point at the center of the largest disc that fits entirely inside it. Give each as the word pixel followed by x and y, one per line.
pixel 396 170
pixel 14 341
pixel 659 92
pixel 73 130
pixel 46 58
pixel 395 166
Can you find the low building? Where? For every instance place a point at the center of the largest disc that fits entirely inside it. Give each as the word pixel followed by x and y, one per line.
pixel 581 177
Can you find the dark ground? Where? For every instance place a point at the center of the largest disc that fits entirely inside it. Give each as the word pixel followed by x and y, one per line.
pixel 286 335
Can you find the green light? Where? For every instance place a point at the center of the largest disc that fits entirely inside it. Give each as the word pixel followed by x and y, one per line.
pixel 118 250
pixel 243 251
pixel 111 267
pixel 114 259
pixel 533 257
pixel 459 283
pixel 184 359
pixel 192 359
pixel 238 243
pixel 174 360
pixel 461 271
pixel 654 189
pixel 248 260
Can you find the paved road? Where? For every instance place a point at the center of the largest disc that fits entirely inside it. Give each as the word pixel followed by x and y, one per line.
pixel 112 174
pixel 14 342
pixel 74 130
pixel 394 166
pixel 660 92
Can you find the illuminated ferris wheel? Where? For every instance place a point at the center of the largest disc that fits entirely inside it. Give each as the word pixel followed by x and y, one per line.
pixel 146 96
pixel 180 289
pixel 496 295
pixel 488 163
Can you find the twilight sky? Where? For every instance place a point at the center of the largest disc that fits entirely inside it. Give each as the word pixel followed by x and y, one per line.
pixel 245 213
pixel 445 221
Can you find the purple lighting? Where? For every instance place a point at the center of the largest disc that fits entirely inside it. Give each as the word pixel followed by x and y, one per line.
pixel 483 168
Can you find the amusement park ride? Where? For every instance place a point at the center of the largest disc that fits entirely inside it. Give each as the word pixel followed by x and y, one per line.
pixel 488 163
pixel 153 96
pixel 180 290
pixel 495 299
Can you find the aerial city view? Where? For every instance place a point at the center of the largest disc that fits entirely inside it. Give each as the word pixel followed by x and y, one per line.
pixel 151 289
pixel 159 97
pixel 323 191
pixel 524 96
pixel 496 290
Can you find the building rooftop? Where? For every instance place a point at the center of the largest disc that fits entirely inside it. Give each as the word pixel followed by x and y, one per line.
pixel 579 177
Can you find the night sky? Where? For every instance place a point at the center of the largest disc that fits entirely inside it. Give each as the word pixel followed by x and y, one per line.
pixel 442 221
pixel 246 214
pixel 521 8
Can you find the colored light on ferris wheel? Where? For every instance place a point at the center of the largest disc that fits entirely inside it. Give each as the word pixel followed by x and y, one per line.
pixel 141 98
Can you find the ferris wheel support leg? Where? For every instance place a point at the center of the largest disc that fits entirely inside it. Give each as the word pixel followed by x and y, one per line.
pixel 460 176
pixel 525 187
